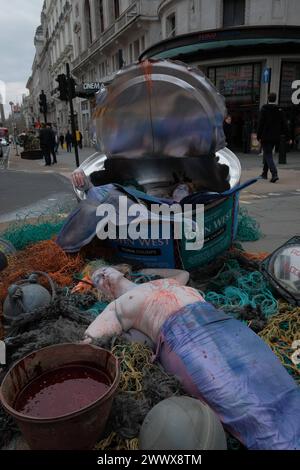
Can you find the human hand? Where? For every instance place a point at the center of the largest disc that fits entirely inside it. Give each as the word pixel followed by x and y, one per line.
pixel 79 179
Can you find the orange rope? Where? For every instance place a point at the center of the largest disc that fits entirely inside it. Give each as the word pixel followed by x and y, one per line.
pixel 45 256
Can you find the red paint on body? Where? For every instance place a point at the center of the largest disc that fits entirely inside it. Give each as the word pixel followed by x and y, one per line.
pixel 62 391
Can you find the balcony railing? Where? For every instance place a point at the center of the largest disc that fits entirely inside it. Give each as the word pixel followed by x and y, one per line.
pixel 137 8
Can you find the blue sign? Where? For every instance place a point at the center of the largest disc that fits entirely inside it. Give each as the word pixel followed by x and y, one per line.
pixel 266 75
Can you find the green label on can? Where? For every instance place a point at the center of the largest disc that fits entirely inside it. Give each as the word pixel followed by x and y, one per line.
pixel 218 230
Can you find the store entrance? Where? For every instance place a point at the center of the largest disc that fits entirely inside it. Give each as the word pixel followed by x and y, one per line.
pixel 244 123
pixel 240 85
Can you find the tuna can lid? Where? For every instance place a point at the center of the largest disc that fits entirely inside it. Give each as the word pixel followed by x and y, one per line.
pixel 227 157
pixel 159 108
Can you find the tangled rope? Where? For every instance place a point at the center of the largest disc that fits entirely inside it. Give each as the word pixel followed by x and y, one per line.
pixel 248 228
pixel 44 256
pixel 235 287
pixel 280 333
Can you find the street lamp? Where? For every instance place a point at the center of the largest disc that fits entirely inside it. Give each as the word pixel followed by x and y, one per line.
pixel 11 103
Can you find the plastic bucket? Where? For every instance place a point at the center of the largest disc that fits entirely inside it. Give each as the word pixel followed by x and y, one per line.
pixel 75 431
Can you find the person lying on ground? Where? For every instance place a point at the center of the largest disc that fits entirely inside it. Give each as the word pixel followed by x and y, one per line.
pixel 217 358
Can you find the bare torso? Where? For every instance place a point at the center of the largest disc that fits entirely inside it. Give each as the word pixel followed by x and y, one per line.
pixel 145 308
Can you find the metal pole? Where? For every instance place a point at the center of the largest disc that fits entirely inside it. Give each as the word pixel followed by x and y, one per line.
pixel 14 127
pixel 72 115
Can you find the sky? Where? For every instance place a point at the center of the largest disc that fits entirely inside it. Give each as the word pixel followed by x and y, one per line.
pixel 18 22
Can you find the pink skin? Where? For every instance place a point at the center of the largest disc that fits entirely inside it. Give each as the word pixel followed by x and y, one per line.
pixel 144 307
pixel 79 179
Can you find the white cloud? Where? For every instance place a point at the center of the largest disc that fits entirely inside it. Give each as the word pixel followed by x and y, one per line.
pixel 14 93
pixel 19 20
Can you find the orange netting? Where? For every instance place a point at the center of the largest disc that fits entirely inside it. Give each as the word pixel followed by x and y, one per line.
pixel 44 256
pixel 255 256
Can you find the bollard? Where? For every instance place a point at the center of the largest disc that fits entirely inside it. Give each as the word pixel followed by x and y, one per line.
pixel 282 150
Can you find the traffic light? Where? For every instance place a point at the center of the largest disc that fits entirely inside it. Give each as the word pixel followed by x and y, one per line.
pixel 62 87
pixel 43 103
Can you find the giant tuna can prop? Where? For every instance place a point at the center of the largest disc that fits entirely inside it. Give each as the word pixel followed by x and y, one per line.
pixel 159 128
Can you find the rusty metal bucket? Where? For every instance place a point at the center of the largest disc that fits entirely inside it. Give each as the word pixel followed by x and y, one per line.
pixel 75 431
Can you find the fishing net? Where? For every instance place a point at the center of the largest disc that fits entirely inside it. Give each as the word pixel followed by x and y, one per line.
pixel 30 227
pixel 234 284
pixel 248 228
pixel 279 334
pixel 143 384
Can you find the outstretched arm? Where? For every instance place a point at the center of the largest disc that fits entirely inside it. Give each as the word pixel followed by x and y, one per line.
pixel 106 324
pixel 182 277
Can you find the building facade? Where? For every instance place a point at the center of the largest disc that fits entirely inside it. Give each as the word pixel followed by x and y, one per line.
pixel 54 48
pixel 246 47
pixel 107 35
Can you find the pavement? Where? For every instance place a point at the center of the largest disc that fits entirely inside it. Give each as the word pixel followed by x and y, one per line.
pixel 276 206
pixel 66 162
pixel 27 185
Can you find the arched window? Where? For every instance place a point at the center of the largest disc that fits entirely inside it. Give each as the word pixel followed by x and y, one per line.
pixel 88 22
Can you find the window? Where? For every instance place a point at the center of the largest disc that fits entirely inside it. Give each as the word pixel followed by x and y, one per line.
pixel 142 43
pixel 233 13
pixel 101 16
pixel 102 69
pixel 115 62
pixel 130 53
pixel 93 75
pixel 88 22
pixel 136 48
pixel 171 26
pixel 116 9
pixel 237 83
pixel 79 44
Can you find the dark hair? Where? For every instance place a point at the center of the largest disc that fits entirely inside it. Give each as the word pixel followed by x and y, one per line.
pixel 272 97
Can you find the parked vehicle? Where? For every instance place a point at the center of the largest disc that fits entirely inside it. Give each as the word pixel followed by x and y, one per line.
pixel 4 142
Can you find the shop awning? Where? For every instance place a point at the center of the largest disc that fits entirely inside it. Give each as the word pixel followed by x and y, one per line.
pixel 248 40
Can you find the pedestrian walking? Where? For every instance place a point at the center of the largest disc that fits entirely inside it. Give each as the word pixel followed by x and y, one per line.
pixel 272 124
pixel 56 139
pixel 69 141
pixel 45 143
pixel 62 140
pixel 53 143
pixel 80 140
pixel 227 126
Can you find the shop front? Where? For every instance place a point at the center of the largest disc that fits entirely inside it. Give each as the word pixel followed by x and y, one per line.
pixel 290 72
pixel 236 60
pixel 240 84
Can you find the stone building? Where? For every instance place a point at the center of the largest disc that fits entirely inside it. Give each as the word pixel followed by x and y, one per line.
pixel 246 47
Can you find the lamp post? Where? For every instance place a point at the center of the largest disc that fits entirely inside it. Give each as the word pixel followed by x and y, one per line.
pixel 11 103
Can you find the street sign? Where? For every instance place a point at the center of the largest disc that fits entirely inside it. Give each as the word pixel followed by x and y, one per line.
pixel 92 86
pixel 266 75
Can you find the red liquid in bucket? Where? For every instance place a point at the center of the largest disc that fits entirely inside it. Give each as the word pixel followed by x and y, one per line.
pixel 62 391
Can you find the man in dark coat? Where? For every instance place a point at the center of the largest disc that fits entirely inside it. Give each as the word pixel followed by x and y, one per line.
pixel 69 141
pixel 46 143
pixel 227 126
pixel 271 125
